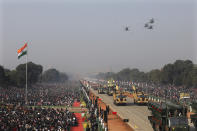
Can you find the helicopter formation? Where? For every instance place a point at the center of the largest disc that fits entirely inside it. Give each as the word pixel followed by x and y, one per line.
pixel 148 25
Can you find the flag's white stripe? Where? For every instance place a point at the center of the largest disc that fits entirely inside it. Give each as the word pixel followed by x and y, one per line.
pixel 21 52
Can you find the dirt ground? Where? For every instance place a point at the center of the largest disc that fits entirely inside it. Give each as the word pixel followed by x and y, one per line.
pixel 115 123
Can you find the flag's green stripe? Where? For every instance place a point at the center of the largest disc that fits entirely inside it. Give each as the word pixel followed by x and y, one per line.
pixel 23 53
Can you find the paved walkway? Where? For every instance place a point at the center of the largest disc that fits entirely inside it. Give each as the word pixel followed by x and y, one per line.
pixel 137 115
pixel 115 123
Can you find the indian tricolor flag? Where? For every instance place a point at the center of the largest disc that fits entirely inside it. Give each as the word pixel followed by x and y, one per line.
pixel 22 51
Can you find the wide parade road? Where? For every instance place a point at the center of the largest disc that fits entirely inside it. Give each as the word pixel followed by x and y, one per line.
pixel 137 115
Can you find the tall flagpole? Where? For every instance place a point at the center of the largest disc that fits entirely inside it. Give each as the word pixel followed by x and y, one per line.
pixel 26 101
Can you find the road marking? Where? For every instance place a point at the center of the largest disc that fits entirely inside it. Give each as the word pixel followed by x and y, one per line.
pixel 135 127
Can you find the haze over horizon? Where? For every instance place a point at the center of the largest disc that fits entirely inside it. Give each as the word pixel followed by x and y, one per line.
pixel 88 36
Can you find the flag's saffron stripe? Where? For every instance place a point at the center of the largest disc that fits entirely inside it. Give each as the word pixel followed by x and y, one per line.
pixel 21 49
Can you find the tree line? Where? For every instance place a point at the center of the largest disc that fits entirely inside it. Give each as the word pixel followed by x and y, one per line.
pixel 180 73
pixel 17 77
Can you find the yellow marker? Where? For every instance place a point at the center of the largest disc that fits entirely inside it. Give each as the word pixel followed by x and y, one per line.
pixel 85 125
pixel 117 88
pixel 134 88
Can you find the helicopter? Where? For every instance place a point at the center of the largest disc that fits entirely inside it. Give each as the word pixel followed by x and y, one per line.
pixel 146 25
pixel 151 21
pixel 126 28
pixel 150 27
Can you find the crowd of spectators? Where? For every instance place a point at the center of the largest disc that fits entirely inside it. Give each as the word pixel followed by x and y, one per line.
pixel 170 92
pixel 42 112
pixel 41 94
pixel 17 118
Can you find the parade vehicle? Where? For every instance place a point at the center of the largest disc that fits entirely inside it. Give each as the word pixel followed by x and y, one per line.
pixel 184 99
pixel 110 87
pixel 194 119
pixel 110 90
pixel 167 116
pixel 139 97
pixel 101 89
pixel 193 116
pixel 119 97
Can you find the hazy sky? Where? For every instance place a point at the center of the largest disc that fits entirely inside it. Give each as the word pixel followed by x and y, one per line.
pixel 83 36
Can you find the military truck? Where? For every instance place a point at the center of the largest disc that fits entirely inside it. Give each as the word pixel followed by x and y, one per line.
pixel 139 97
pixel 194 119
pixel 167 116
pixel 110 90
pixel 110 87
pixel 193 116
pixel 118 97
pixel 184 99
pixel 101 90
